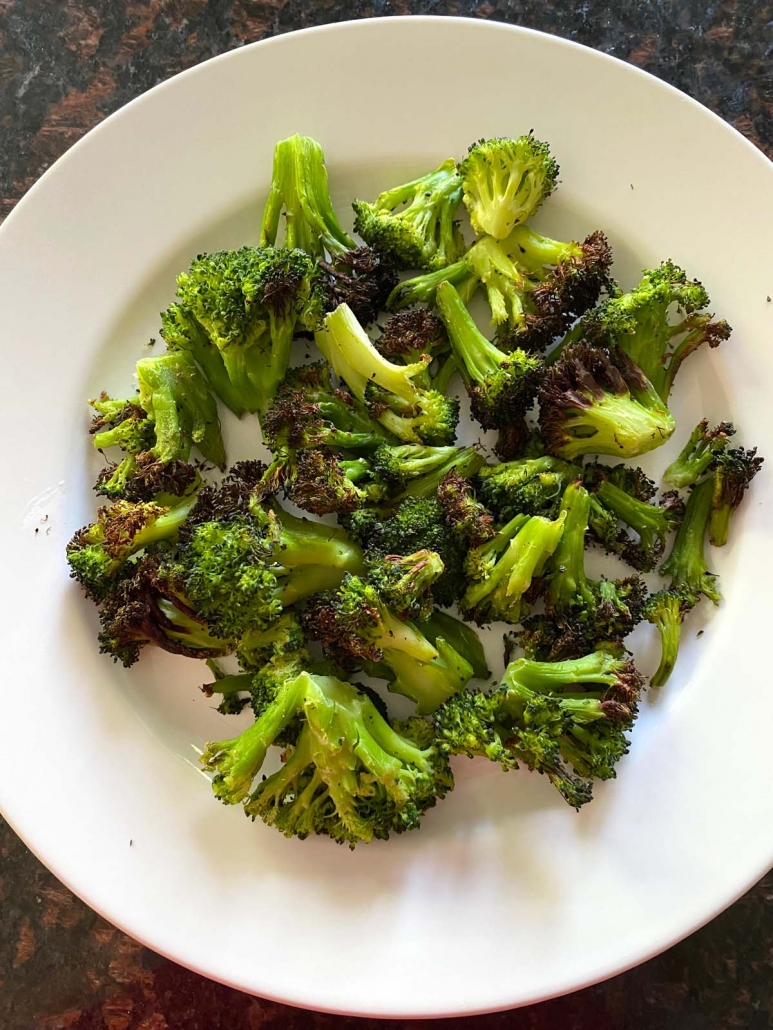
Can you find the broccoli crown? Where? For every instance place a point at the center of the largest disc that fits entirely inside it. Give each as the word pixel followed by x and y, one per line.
pixel 144 606
pixel 666 610
pixel 247 303
pixel 527 486
pixel 97 552
pixel 409 334
pixel 630 478
pixel 596 402
pixel 697 454
pixel 501 386
pixel 355 625
pixel 299 187
pixel 363 279
pixel 651 523
pixel 505 181
pixel 143 477
pixel 417 523
pixel 413 414
pixel 121 423
pixel 348 775
pixel 414 223
pixel 503 570
pixel 181 407
pixel 417 468
pixel 601 610
pixel 321 483
pixel 686 564
pixel 638 322
pixel 463 512
pixel 734 470
pixel 404 583
pixel 564 719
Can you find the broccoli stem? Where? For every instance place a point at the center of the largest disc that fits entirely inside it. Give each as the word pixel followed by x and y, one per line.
pixel 442 378
pixel 534 252
pixel 303 542
pixel 599 667
pixel 478 357
pixel 428 682
pixel 669 625
pixel 648 520
pixel 569 580
pixel 686 565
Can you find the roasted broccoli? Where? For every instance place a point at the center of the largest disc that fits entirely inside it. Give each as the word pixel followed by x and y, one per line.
pixel 466 516
pixel 505 181
pixel 733 472
pixel 698 453
pixel 595 402
pixel 247 303
pixel 404 582
pixel 528 486
pixel 565 719
pixel 414 223
pixel 666 610
pixel 356 626
pixel 611 505
pixel 638 323
pixel 502 386
pixel 349 774
pixel 409 412
pixel 686 564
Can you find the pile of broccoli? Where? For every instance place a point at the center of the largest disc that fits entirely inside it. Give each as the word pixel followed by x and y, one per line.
pixel 310 613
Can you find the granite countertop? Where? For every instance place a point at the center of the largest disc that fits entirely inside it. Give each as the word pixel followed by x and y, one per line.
pixel 64 66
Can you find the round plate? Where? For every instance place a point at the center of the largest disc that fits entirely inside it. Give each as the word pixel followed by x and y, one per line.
pixel 505 896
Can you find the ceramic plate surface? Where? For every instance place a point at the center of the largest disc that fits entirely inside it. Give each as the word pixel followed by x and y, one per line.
pixel 506 895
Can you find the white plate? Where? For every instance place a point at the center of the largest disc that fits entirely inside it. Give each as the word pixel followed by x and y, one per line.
pixel 505 896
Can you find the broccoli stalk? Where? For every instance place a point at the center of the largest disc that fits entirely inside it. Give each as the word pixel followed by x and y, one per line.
pixel 733 472
pixel 423 233
pixel 503 569
pixel 356 625
pixel 652 524
pixel 593 402
pixel 505 181
pixel 697 454
pixel 410 413
pixel 638 323
pixel 501 386
pixel 666 610
pixel 530 486
pixel 686 564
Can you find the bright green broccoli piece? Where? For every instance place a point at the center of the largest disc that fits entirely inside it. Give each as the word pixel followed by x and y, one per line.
pixel 409 412
pixel 686 564
pixel 502 386
pixel 503 569
pixel 527 486
pixel 414 223
pixel 697 454
pixel 594 402
pixel 505 181
pixel 733 472
pixel 666 610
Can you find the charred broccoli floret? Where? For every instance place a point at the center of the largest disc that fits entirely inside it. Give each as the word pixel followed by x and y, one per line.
pixel 733 472
pixel 408 335
pixel 404 583
pixel 409 412
pixel 638 323
pixel 505 181
pixel 666 611
pixel 503 570
pixel 363 279
pixel 698 453
pixel 243 308
pixel 502 386
pixel 466 516
pixel 611 505
pixel 686 564
pixel 414 223
pixel 356 626
pixel 349 774
pixel 528 486
pixel 594 402
pixel 564 719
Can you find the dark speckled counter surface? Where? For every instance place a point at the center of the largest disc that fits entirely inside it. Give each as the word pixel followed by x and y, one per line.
pixel 64 66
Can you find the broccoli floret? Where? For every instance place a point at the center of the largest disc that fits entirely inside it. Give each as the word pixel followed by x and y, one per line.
pixel 404 583
pixel 417 523
pixel 349 775
pixel 733 472
pixel 408 335
pixel 666 610
pixel 697 454
pixel 412 414
pixel 322 483
pixel 363 279
pixel 423 470
pixel 564 719
pixel 686 564
pixel 422 233
pixel 630 478
pixel 600 610
pixel 651 523
pixel 464 513
pixel 121 423
pixel 97 552
pixel 505 181
pixel 355 625
pixel 143 477
pixel 528 486
pixel 248 304
pixel 299 187
pixel 594 402
pixel 502 386
pixel 638 323
pixel 503 570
